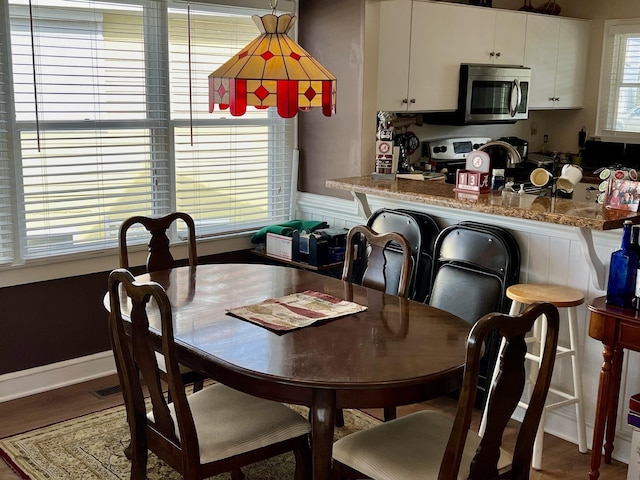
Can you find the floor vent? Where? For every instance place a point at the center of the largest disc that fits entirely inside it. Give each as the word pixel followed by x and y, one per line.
pixel 106 392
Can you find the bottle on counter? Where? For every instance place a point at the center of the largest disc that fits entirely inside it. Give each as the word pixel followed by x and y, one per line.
pixel 497 179
pixel 623 271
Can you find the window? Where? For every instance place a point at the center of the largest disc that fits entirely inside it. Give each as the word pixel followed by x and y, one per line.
pixel 107 117
pixel 619 104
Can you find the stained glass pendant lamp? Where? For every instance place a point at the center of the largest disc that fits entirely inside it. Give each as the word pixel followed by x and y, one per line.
pixel 273 71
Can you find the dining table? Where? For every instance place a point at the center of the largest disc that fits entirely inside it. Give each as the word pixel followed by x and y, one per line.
pixel 396 352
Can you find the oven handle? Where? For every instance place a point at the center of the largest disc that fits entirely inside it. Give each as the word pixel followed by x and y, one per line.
pixel 516 97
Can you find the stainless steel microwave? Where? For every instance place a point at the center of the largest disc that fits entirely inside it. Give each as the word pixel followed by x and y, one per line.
pixel 488 94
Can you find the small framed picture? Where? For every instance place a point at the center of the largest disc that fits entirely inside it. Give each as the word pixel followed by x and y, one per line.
pixel 622 194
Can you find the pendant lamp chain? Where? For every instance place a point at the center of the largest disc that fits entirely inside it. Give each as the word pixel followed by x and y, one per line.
pixel 273 4
pixel 34 72
pixel 190 73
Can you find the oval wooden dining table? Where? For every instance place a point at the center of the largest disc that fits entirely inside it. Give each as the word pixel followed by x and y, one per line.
pixel 396 352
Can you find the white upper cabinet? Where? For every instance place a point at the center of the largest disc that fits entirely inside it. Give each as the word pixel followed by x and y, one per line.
pixel 556 50
pixel 393 49
pixel 421 45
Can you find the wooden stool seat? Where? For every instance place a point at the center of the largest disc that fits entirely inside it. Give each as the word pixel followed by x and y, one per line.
pixel 561 297
pixel 524 294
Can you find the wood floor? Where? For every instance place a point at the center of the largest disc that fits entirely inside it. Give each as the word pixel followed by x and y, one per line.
pixel 561 459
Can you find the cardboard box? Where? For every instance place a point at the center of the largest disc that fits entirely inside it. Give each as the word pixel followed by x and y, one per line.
pixel 279 246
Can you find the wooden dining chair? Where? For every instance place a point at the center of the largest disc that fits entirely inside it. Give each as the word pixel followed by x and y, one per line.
pixel 215 430
pixel 431 445
pixel 370 262
pixel 160 258
pixel 382 268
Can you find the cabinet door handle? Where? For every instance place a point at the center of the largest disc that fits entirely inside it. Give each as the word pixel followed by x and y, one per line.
pixel 498 54
pixel 413 100
pixel 492 54
pixel 404 100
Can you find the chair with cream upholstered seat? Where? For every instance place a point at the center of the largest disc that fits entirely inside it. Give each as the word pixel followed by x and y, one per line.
pixel 215 430
pixel 386 269
pixel 431 445
pixel 568 298
pixel 160 258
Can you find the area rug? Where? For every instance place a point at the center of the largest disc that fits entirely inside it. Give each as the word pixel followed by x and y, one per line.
pixel 91 448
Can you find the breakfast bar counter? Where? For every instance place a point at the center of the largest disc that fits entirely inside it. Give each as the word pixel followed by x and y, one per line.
pixel 561 211
pixel 586 217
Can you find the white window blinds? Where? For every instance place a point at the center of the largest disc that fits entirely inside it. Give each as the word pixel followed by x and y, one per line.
pixel 619 105
pixel 112 120
pixel 6 216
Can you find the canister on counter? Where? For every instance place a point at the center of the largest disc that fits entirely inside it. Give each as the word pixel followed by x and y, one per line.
pixel 497 179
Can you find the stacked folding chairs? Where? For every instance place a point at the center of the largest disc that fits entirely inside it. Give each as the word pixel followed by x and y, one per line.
pixel 464 269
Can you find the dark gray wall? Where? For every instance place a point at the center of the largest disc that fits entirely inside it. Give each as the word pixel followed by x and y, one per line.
pixel 57 320
pixel 330 147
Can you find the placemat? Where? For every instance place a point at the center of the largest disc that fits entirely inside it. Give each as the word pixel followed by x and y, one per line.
pixel 296 310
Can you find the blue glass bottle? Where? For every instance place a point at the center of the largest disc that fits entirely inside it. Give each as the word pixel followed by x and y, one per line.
pixel 622 271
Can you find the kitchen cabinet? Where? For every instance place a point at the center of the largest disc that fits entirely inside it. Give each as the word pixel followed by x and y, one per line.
pixel 556 49
pixel 421 45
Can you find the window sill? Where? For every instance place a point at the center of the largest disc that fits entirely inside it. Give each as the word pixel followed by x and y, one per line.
pixel 104 261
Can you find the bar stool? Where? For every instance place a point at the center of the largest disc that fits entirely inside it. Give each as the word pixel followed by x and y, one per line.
pixel 562 297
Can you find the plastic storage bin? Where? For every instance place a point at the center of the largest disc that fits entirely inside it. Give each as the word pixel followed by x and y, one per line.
pixel 633 473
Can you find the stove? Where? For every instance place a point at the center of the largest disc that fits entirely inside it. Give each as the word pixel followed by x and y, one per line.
pixel 447 155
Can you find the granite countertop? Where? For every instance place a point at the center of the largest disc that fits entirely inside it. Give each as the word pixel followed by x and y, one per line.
pixel 559 211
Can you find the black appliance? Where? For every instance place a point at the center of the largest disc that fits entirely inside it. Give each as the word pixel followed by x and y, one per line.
pixel 598 154
pixel 520 144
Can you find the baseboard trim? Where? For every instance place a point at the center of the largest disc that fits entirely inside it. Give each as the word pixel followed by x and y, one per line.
pixel 56 375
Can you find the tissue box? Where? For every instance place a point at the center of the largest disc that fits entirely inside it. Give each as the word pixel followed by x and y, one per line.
pixel 279 246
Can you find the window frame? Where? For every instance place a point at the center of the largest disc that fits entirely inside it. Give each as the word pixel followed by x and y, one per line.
pixel 20 257
pixel 608 98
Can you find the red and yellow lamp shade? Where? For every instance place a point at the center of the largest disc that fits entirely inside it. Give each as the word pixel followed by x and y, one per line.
pixel 273 71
